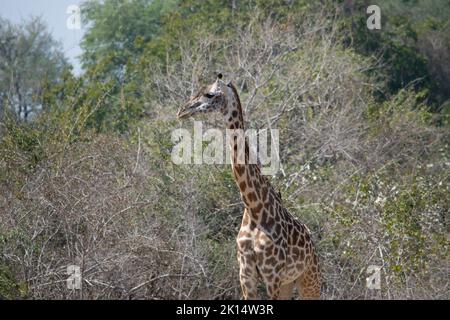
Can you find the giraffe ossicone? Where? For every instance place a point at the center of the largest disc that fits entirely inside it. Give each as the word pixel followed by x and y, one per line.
pixel 272 244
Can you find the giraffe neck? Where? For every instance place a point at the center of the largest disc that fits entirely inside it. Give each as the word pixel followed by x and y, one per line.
pixel 254 188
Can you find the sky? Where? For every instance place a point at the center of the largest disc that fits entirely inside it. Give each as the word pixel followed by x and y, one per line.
pixel 54 13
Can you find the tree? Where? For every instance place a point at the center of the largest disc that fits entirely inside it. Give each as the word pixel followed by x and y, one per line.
pixel 413 45
pixel 30 59
pixel 118 29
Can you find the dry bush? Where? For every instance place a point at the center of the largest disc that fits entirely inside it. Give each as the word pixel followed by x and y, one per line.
pixel 96 209
pixel 341 150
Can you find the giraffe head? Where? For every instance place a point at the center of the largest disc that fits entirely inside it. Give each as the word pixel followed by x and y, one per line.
pixel 209 99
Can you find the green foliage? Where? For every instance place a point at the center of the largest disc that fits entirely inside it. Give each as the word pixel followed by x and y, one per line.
pixel 8 287
pixel 403 45
pixel 118 30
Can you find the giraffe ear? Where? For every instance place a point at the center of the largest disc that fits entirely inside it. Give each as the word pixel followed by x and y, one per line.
pixel 229 84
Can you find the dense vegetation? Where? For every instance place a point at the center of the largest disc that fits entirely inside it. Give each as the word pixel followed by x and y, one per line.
pixel 363 118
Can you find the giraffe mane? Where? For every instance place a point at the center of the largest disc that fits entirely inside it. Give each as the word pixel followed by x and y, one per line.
pixel 236 95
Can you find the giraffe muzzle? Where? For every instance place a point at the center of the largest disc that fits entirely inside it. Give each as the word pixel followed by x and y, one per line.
pixel 187 111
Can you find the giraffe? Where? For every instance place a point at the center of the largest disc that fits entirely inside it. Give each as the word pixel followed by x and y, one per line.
pixel 272 245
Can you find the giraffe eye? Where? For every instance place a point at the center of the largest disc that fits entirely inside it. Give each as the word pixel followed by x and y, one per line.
pixel 209 95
